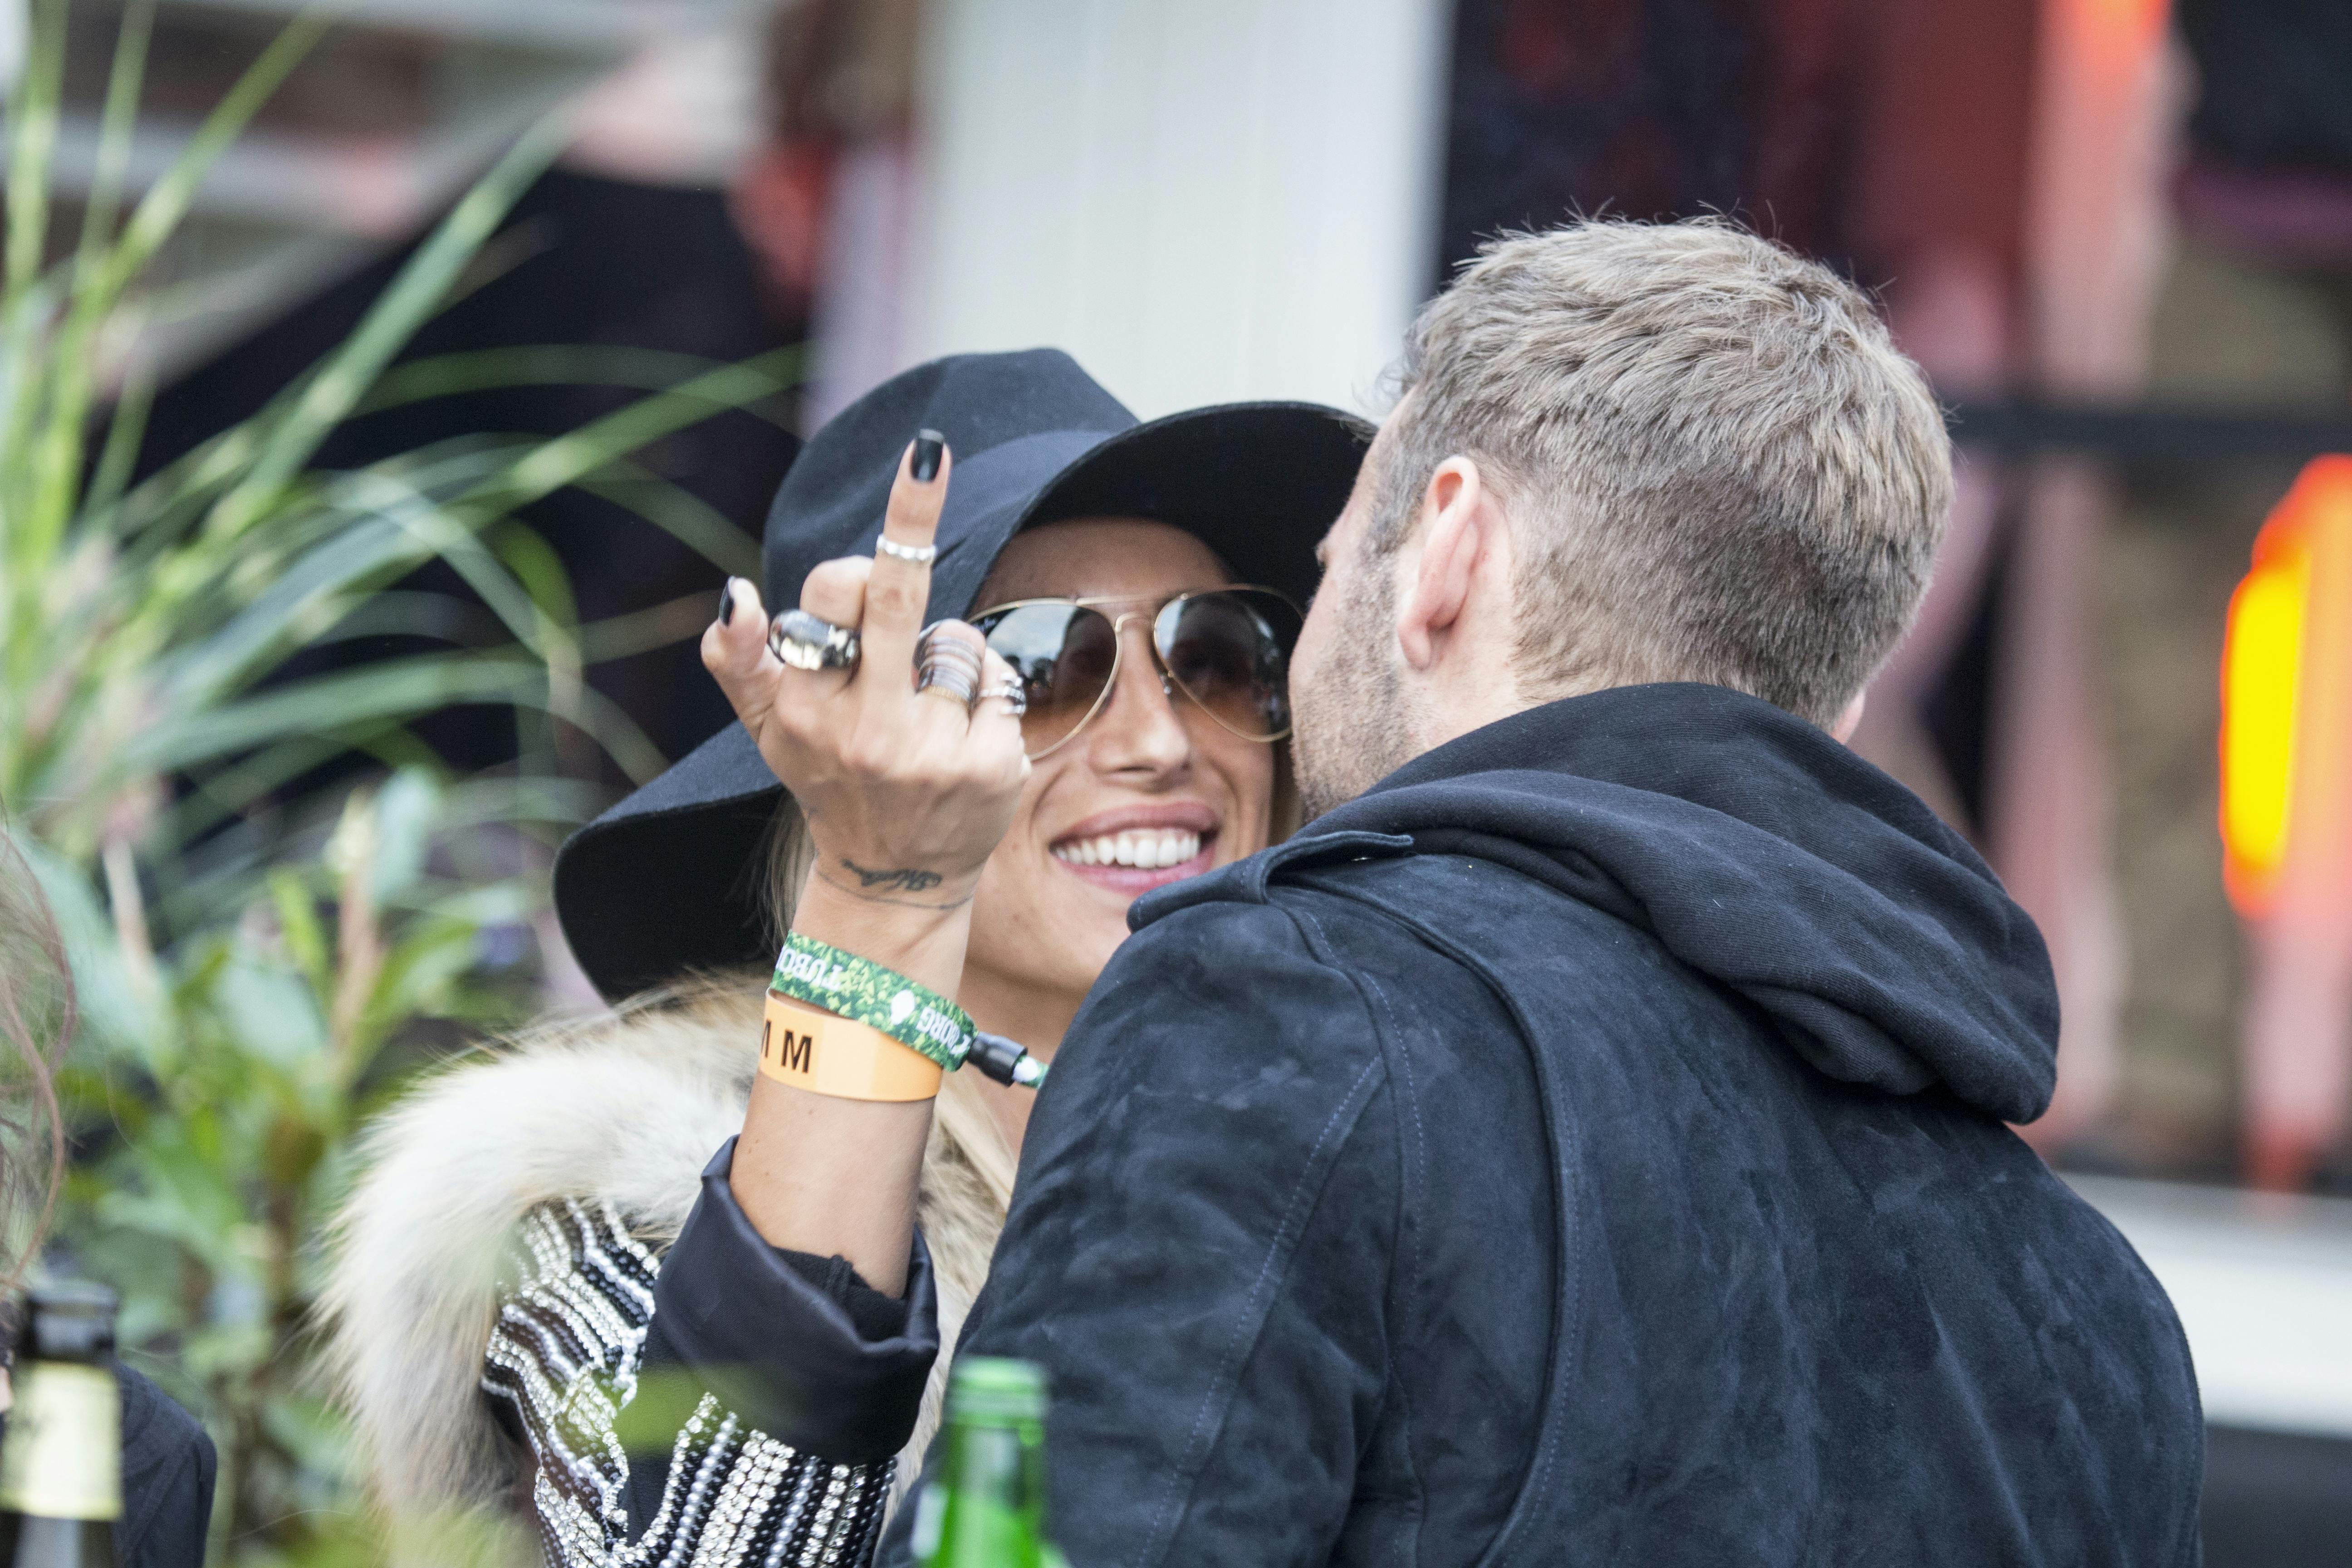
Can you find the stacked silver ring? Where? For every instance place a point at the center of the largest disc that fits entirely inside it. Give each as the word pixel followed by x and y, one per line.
pixel 948 663
pixel 1015 695
pixel 808 642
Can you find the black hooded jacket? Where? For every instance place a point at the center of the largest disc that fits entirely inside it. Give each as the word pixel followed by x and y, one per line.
pixel 1587 1147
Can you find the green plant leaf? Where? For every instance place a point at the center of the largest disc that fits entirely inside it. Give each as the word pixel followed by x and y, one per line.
pixel 546 365
pixel 298 929
pixel 406 808
pixel 335 388
pixel 111 1019
pixel 270 1012
pixel 167 201
pixel 396 688
pixel 678 512
pixel 59 440
pixel 33 139
pixel 126 429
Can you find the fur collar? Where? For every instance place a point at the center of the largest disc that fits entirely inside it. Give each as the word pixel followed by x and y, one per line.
pixel 627 1107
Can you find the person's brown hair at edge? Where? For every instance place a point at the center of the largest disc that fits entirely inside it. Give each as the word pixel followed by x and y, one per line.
pixel 36 1020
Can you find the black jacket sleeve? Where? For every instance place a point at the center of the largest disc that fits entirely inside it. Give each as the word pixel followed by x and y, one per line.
pixel 168 1465
pixel 1208 1201
pixel 798 1346
pixel 845 1379
pixel 726 1404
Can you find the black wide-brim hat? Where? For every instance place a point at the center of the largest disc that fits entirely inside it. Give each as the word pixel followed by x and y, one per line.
pixel 669 881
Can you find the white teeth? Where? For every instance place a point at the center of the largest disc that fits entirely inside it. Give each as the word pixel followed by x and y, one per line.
pixel 1147 849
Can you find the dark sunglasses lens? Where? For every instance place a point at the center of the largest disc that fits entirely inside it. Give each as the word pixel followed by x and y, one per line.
pixel 1230 651
pixel 1065 655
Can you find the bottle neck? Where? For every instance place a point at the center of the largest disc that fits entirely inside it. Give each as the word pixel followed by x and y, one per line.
pixel 993 1502
pixel 68 1324
pixel 990 1461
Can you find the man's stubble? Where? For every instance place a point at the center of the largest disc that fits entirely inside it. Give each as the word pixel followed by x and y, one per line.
pixel 1353 726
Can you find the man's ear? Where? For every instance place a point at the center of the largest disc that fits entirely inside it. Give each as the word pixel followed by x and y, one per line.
pixel 1446 542
pixel 1850 721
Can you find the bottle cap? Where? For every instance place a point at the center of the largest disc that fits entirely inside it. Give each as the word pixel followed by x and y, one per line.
pixel 70 1319
pixel 996 1388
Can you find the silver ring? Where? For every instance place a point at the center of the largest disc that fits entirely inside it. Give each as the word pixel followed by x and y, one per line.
pixel 808 642
pixel 921 554
pixel 951 679
pixel 931 647
pixel 950 663
pixel 1015 695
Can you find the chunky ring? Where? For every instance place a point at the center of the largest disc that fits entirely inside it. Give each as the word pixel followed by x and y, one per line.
pixel 1015 695
pixel 950 663
pixel 930 647
pixel 807 642
pixel 921 554
pixel 951 679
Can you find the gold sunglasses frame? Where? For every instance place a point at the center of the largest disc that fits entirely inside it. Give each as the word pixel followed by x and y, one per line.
pixel 1169 685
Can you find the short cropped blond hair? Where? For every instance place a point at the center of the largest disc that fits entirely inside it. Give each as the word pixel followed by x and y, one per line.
pixel 1731 473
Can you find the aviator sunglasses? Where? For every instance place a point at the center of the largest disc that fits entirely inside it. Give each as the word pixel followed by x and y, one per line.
pixel 1227 649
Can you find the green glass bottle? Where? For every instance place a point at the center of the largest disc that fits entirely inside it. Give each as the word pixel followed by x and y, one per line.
pixel 987 1507
pixel 61 1467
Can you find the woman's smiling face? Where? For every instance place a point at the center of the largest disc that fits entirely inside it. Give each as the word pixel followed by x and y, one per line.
pixel 1151 791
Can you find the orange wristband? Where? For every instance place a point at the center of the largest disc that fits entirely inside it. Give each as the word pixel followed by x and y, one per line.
pixel 825 1053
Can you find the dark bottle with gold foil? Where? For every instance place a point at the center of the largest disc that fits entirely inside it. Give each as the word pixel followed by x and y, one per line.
pixel 987 1507
pixel 62 1466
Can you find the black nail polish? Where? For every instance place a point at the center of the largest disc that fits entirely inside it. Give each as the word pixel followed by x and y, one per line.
pixel 727 602
pixel 929 445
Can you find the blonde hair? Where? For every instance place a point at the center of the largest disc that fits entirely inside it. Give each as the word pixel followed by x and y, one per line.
pixel 1719 467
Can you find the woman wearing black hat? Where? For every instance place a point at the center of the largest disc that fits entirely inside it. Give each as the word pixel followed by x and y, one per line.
pixel 1140 578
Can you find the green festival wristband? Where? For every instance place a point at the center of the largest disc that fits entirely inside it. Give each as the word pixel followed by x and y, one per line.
pixel 860 989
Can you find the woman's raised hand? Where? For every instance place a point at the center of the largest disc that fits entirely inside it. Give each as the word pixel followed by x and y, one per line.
pixel 906 792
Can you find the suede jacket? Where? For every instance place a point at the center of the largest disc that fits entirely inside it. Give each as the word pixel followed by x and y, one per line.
pixel 1589 1146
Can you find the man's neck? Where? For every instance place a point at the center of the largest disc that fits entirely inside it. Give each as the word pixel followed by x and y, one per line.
pixel 1457 709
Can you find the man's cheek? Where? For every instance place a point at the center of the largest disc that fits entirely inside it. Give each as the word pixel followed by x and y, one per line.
pixel 1316 634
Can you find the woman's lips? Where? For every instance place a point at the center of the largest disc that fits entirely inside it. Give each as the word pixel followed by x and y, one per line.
pixel 1137 881
pixel 1134 859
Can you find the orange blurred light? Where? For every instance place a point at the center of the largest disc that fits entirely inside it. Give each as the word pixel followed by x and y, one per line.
pixel 2130 23
pixel 2258 704
pixel 2265 683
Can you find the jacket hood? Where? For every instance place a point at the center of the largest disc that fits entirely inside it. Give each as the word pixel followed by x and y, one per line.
pixel 1769 857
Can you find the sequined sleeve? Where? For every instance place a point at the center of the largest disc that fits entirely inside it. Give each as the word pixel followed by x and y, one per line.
pixel 565 1356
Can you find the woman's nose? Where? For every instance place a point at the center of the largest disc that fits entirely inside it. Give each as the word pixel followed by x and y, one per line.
pixel 1140 730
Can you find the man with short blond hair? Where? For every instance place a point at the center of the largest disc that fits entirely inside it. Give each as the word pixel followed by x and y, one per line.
pixel 1693 396
pixel 1586 1141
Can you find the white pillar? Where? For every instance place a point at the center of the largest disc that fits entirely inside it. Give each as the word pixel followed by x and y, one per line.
pixel 1202 200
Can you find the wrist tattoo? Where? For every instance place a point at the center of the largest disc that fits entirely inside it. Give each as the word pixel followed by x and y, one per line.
pixel 855 892
pixel 905 882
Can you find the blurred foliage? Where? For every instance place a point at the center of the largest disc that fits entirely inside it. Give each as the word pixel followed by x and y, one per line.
pixel 257 972
pixel 217 1085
